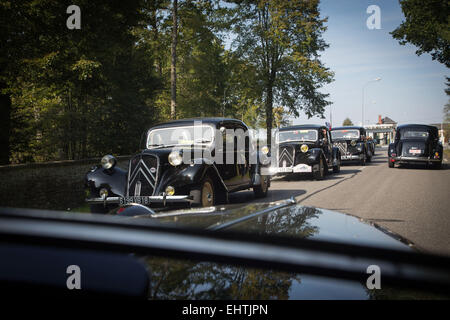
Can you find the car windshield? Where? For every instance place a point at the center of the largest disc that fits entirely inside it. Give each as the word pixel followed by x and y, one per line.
pixel 414 134
pixel 344 134
pixel 297 135
pixel 187 135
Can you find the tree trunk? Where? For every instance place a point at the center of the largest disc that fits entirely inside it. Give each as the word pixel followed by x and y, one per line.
pixel 173 67
pixel 5 125
pixel 269 111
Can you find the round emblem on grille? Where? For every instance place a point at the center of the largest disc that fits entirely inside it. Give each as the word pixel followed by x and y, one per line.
pixel 152 170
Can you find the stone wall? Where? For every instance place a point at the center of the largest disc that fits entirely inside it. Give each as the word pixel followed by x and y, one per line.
pixel 52 185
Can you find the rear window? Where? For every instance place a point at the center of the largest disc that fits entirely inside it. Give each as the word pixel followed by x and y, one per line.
pixel 412 134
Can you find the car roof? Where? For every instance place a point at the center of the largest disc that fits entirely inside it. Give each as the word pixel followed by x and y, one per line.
pixel 347 128
pixel 417 126
pixel 190 121
pixel 302 126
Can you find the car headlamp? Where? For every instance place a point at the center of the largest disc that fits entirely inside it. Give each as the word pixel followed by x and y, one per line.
pixel 170 191
pixel 353 143
pixel 103 193
pixel 304 148
pixel 175 158
pixel 108 162
pixel 265 150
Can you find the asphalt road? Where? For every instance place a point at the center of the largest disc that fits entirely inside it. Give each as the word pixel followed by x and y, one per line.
pixel 413 202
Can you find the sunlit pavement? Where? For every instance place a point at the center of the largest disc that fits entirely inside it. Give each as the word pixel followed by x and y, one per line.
pixel 413 202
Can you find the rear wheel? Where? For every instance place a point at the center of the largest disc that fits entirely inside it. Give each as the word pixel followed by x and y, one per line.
pixel 337 167
pixel 319 174
pixel 391 164
pixel 261 190
pixel 437 165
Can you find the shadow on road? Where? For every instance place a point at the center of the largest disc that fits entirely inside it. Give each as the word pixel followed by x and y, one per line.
pixel 419 166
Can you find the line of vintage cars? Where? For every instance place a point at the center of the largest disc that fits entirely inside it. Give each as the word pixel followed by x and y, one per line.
pixel 198 162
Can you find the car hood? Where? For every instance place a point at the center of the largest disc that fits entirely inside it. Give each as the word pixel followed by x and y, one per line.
pixel 184 279
pixel 291 221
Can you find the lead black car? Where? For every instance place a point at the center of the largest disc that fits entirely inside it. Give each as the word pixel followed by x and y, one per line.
pixel 352 143
pixel 307 148
pixel 416 143
pixel 158 175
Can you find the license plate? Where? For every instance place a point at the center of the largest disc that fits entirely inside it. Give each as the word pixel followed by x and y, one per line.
pixel 302 168
pixel 135 199
pixel 284 169
pixel 415 151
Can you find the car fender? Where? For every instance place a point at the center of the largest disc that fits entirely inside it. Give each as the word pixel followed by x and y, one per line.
pixel 115 180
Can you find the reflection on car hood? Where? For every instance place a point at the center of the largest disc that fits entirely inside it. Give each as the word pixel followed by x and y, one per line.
pixel 292 221
pixel 181 279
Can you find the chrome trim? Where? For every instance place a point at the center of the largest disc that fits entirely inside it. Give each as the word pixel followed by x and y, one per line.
pixel 418 159
pixel 286 203
pixel 157 199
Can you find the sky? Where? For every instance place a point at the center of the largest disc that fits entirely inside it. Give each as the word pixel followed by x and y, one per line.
pixel 411 89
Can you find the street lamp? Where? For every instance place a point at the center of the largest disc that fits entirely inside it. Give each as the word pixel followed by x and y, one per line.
pixel 364 87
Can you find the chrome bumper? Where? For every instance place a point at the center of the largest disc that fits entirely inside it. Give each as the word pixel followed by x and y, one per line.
pixel 300 168
pixel 415 159
pixel 145 200
pixel 352 157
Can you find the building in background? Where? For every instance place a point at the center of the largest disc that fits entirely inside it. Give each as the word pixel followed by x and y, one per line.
pixel 383 131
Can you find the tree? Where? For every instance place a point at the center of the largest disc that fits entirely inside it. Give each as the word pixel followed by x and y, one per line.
pixel 347 122
pixel 282 41
pixel 173 67
pixel 426 26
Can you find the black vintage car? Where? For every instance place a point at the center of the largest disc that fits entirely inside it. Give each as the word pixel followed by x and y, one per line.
pixel 191 161
pixel 259 251
pixel 306 149
pixel 352 143
pixel 416 143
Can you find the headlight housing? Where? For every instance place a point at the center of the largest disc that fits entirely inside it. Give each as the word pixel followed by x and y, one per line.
pixel 353 143
pixel 265 150
pixel 108 162
pixel 304 148
pixel 170 191
pixel 175 158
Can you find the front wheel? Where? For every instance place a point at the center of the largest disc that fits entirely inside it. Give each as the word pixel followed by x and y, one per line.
pixel 207 193
pixel 260 191
pixel 363 160
pixel 320 174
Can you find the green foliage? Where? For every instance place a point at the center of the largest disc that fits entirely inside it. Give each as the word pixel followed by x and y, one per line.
pixel 347 122
pixel 282 40
pixel 71 94
pixel 427 27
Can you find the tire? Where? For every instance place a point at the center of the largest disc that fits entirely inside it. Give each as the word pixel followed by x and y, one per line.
pixel 337 167
pixel 320 175
pixel 391 164
pixel 437 165
pixel 363 160
pixel 207 193
pixel 261 190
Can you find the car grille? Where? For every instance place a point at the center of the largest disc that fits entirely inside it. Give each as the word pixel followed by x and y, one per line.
pixel 142 175
pixel 342 147
pixel 286 156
